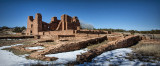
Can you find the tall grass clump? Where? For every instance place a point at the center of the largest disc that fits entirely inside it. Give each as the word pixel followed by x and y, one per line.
pixel 149 50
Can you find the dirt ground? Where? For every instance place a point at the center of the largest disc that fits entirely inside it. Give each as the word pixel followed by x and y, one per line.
pixel 7 42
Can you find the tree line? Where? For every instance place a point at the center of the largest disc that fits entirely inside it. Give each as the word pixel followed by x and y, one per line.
pixel 14 29
pixel 20 29
pixel 131 31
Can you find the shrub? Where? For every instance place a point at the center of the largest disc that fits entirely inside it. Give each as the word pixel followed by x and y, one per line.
pixel 19 29
pixel 132 32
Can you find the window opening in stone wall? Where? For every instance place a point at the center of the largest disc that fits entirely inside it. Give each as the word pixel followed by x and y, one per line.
pixel 31 25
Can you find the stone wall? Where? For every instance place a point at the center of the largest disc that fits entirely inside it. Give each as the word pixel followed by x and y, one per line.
pixel 53 37
pixel 45 26
pixel 55 34
pixel 120 43
pixel 113 38
pixel 65 32
pixel 93 32
pixel 16 37
pixel 78 45
pixel 53 26
pixel 34 26
pixel 66 47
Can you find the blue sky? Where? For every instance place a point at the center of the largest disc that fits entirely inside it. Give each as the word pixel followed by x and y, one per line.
pixel 117 14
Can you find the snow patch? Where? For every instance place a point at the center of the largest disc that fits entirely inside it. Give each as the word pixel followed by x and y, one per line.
pixel 116 57
pixel 66 57
pixel 11 39
pixel 9 46
pixel 9 59
pixel 35 48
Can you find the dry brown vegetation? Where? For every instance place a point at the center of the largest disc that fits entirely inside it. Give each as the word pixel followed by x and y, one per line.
pixel 16 41
pixel 16 51
pixel 96 45
pixel 6 42
pixel 149 50
pixel 146 50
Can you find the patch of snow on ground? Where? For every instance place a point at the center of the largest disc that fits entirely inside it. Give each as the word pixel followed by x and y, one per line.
pixel 9 59
pixel 116 57
pixel 9 46
pixel 66 57
pixel 37 47
pixel 11 39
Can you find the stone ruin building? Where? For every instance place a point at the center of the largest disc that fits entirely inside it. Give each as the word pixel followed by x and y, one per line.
pixel 66 26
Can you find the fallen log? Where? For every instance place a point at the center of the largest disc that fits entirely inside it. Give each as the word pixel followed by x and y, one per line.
pixel 120 43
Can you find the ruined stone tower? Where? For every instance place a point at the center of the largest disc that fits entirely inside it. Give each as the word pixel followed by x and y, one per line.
pixel 67 24
pixel 34 25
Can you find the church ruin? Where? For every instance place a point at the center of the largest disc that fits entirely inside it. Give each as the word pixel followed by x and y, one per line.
pixel 66 26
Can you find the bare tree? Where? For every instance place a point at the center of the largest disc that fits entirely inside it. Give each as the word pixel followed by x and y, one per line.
pixel 86 26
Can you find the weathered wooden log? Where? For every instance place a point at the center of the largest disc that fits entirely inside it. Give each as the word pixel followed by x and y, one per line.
pixel 120 43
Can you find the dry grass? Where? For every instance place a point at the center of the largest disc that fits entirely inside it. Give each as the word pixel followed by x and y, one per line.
pixel 156 36
pixel 11 42
pixel 146 50
pixel 96 45
pixel 10 35
pixel 16 52
pixel 5 34
pixel 150 48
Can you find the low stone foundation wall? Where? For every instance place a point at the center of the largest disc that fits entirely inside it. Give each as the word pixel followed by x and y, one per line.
pixel 120 43
pixel 22 47
pixel 65 32
pixel 54 37
pixel 78 45
pixel 17 37
pixel 113 38
pixel 93 32
pixel 66 35
pixel 49 37
pixel 66 47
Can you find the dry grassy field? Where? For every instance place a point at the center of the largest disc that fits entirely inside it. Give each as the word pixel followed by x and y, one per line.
pixel 146 50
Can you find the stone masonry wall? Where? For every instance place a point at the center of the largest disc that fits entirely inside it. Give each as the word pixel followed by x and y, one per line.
pixel 92 32
pixel 34 26
pixel 66 47
pixel 120 43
